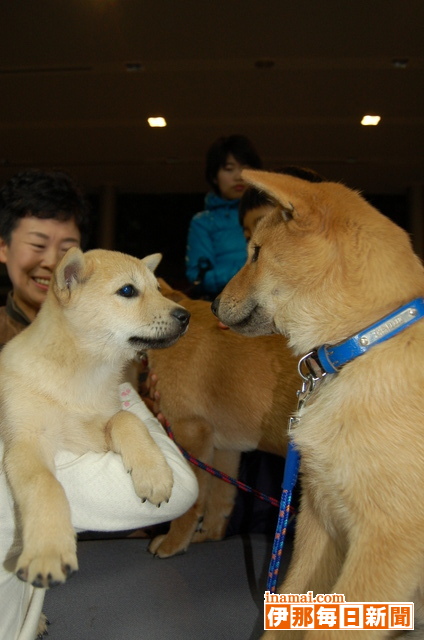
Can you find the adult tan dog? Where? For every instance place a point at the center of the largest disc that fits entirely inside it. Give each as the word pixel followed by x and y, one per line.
pixel 222 394
pixel 322 267
pixel 59 389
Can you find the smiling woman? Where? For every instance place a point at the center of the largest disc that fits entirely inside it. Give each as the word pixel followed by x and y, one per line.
pixel 42 215
pixel 34 250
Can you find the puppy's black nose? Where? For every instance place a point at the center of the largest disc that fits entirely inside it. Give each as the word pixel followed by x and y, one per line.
pixel 214 306
pixel 182 315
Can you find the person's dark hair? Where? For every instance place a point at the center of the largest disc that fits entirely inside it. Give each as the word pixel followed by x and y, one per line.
pixel 238 146
pixel 42 194
pixel 301 172
pixel 253 198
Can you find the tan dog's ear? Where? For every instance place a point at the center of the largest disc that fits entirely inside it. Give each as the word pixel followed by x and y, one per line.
pixel 68 273
pixel 289 192
pixel 152 261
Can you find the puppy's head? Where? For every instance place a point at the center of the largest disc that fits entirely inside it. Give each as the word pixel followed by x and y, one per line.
pixel 323 264
pixel 112 302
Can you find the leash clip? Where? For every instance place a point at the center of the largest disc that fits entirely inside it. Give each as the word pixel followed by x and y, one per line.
pixel 312 374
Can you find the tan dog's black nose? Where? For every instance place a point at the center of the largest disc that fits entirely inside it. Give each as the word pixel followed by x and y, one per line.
pixel 214 306
pixel 182 315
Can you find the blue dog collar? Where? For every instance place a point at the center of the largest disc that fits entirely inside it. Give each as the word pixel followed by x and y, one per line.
pixel 333 357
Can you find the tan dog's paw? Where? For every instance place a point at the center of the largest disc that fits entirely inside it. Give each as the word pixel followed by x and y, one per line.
pixel 163 547
pixel 153 481
pixel 208 535
pixel 48 566
pixel 211 528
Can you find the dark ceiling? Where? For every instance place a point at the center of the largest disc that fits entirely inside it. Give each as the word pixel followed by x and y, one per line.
pixel 80 77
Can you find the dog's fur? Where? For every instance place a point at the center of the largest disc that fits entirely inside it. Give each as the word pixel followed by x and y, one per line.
pixel 323 266
pixel 222 394
pixel 59 389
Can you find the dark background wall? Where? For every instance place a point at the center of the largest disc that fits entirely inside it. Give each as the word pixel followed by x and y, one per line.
pixel 158 223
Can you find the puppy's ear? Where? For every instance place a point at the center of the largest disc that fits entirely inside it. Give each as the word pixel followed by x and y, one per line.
pixel 152 261
pixel 69 273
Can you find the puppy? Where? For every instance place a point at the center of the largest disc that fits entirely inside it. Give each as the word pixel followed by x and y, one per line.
pixel 59 389
pixel 321 268
pixel 222 394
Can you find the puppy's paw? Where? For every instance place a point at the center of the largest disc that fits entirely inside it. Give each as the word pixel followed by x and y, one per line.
pixel 153 481
pixel 164 547
pixel 42 627
pixel 47 566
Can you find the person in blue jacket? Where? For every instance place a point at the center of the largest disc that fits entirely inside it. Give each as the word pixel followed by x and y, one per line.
pixel 216 246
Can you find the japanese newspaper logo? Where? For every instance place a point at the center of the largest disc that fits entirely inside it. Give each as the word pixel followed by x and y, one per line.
pixel 330 611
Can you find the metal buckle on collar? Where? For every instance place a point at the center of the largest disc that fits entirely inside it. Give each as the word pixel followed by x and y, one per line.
pixel 312 374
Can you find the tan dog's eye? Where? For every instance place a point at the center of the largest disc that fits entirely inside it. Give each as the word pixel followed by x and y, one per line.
pixel 256 250
pixel 287 214
pixel 127 291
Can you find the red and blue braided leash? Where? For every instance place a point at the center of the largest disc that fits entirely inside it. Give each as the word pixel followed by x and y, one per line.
pixel 291 471
pixel 220 474
pixel 289 481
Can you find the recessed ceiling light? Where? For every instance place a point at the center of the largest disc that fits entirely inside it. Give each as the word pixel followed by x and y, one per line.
pixel 370 120
pixel 157 121
pixel 400 63
pixel 134 67
pixel 265 63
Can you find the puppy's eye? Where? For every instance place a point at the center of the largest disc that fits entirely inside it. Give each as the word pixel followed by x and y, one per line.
pixel 256 250
pixel 127 291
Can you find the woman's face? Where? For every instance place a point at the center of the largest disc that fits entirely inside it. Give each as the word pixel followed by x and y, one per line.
pixel 229 181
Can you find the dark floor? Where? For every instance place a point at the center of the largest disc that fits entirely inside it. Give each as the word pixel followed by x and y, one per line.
pixel 213 592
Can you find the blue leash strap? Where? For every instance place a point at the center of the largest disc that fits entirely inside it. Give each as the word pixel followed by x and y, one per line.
pixel 291 470
pixel 312 376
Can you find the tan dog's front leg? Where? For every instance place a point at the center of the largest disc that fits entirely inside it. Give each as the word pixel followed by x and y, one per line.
pixel 221 498
pixel 195 436
pixel 379 567
pixel 152 476
pixel 316 560
pixel 49 546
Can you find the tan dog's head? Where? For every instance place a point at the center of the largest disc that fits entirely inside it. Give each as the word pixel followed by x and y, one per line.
pixel 321 266
pixel 112 302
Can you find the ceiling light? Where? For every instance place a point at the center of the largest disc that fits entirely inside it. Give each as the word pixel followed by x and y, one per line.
pixel 265 63
pixel 157 121
pixel 370 120
pixel 134 67
pixel 400 63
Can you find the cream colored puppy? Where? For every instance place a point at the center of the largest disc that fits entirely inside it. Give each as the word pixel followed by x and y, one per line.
pixel 59 389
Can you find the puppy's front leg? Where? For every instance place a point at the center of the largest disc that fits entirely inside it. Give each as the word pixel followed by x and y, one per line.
pixel 152 477
pixel 195 435
pixel 49 546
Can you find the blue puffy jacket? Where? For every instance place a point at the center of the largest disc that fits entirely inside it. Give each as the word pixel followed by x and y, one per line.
pixel 215 235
